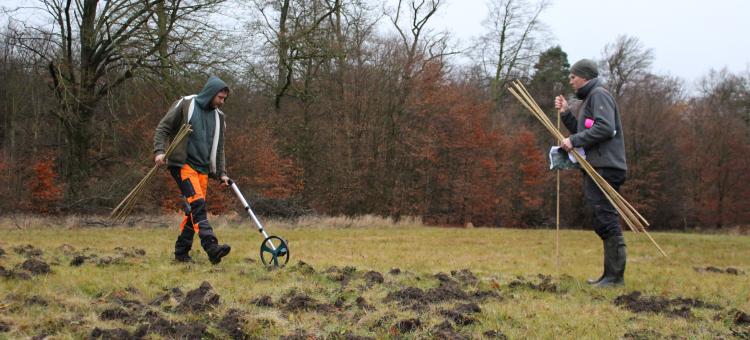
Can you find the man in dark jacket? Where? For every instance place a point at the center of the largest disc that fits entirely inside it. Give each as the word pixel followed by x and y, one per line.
pixel 596 127
pixel 194 160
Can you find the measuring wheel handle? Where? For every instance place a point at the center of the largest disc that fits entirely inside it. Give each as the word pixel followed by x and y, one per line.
pixel 274 251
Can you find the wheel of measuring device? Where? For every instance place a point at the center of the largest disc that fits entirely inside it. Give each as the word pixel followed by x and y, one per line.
pixel 274 251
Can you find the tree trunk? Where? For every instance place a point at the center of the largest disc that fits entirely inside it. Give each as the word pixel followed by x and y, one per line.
pixel 284 69
pixel 77 161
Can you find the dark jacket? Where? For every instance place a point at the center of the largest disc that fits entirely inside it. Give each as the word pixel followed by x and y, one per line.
pixel 203 149
pixel 603 142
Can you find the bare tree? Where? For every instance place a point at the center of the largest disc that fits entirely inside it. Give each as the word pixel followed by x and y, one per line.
pixel 512 43
pixel 624 62
pixel 95 46
pixel 419 43
pixel 292 29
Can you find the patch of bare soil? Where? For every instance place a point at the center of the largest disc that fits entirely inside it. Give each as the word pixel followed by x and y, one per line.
pixel 151 323
pixel 303 268
pixel 740 318
pixel 444 278
pixel 494 334
pixel 405 326
pixel 712 269
pixel 465 276
pixel 27 251
pixel 340 302
pixel 343 275
pixel 739 322
pixel 67 249
pixel 457 318
pixel 407 296
pixel 372 277
pixel 123 308
pixel 14 274
pixel 130 252
pixel 460 315
pixel 115 313
pixel 36 300
pixel 100 259
pixel 173 293
pixel 446 291
pixel 468 308
pixel 263 301
pixel 482 295
pixel 35 266
pixel 545 284
pixel 156 324
pixel 232 324
pixel 295 302
pixel 200 299
pixel 361 302
pixel 78 260
pixel 108 260
pixel 445 331
pixel 678 307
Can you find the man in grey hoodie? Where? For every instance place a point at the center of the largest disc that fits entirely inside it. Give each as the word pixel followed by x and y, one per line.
pixel 194 160
pixel 597 128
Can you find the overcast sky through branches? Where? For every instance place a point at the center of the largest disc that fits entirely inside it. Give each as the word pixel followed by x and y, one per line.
pixel 688 37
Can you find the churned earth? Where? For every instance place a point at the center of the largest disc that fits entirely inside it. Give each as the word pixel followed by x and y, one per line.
pixel 129 290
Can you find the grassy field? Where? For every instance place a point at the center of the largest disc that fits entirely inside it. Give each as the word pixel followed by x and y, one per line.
pixel 364 278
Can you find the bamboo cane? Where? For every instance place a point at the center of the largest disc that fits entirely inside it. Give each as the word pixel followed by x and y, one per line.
pixel 557 214
pixel 630 215
pixel 123 210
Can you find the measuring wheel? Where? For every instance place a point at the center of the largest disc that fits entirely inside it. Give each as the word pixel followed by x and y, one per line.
pixel 274 251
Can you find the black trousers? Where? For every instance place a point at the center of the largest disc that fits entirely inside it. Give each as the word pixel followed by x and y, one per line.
pixel 606 220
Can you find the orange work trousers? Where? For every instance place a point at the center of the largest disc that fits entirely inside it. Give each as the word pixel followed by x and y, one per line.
pixel 193 186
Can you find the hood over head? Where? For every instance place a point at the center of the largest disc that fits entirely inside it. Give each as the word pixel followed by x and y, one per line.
pixel 212 87
pixel 584 91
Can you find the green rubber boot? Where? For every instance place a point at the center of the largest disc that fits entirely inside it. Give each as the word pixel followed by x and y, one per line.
pixel 604 271
pixel 615 260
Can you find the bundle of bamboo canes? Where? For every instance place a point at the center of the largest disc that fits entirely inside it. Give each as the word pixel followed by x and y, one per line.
pixel 123 210
pixel 632 218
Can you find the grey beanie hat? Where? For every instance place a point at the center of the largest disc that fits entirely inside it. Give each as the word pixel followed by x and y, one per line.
pixel 585 68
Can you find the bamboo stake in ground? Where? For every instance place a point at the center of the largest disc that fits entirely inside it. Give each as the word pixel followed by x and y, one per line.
pixel 122 210
pixel 632 218
pixel 557 215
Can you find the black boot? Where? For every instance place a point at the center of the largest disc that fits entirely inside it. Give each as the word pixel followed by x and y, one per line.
pixel 216 252
pixel 616 258
pixel 183 244
pixel 183 258
pixel 604 271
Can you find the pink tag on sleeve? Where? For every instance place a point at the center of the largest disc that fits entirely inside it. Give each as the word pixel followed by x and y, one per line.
pixel 589 123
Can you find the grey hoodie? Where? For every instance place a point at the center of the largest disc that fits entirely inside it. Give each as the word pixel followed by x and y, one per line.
pixel 204 147
pixel 603 141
